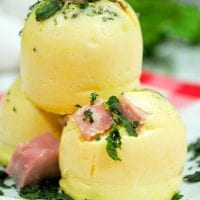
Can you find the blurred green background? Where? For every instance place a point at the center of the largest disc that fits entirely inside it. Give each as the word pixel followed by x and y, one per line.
pixel 171 34
pixel 167 19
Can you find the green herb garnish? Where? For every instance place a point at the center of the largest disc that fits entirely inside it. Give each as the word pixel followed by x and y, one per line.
pixel 74 15
pixel 83 5
pixel 1 193
pixel 113 143
pixel 49 189
pixel 113 106
pixel 14 109
pixel 48 9
pixel 93 97
pixel 78 106
pixel 193 178
pixel 130 127
pixel 3 177
pixel 98 138
pixel 88 115
pixel 177 196
pixel 194 148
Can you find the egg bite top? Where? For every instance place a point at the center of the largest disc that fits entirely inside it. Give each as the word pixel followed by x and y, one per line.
pixel 21 121
pixel 82 47
pixel 119 163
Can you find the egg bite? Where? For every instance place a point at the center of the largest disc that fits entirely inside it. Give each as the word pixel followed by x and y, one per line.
pixel 21 121
pixel 148 166
pixel 83 47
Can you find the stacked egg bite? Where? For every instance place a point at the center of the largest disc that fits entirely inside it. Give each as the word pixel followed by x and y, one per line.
pixel 82 62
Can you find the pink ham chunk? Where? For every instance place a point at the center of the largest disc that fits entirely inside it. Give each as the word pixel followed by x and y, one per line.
pixel 1 96
pixel 102 120
pixel 35 161
pixel 130 111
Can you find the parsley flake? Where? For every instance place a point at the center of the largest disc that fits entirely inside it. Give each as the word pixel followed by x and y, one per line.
pixel 83 5
pixel 113 106
pixel 193 178
pixel 48 9
pixel 129 127
pixel 88 115
pixel 98 138
pixel 194 148
pixel 113 143
pixel 177 196
pixel 14 109
pixel 93 97
pixel 78 106
pixel 49 189
pixel 3 177
pixel 1 193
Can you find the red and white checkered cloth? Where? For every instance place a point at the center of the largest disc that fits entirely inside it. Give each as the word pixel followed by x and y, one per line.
pixel 181 94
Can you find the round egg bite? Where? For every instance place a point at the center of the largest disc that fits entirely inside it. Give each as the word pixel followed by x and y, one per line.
pixel 151 164
pixel 83 47
pixel 21 121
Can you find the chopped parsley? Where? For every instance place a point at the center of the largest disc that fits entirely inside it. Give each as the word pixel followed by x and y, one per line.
pixel 88 115
pixel 49 189
pixel 98 138
pixel 48 9
pixel 14 109
pixel 20 32
pixel 3 177
pixel 113 106
pixel 83 5
pixel 113 143
pixel 177 196
pixel 129 127
pixel 194 148
pixel 78 106
pixel 193 178
pixel 93 97
pixel 74 15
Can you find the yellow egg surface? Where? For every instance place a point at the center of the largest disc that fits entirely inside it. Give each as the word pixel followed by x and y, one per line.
pixel 151 164
pixel 21 121
pixel 79 51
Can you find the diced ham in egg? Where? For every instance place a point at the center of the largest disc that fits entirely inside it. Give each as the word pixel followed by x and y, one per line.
pixel 35 161
pixel 130 111
pixel 102 120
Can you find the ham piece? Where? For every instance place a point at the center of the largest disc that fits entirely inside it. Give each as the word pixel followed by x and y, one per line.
pixel 102 120
pixel 35 161
pixel 130 111
pixel 1 96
